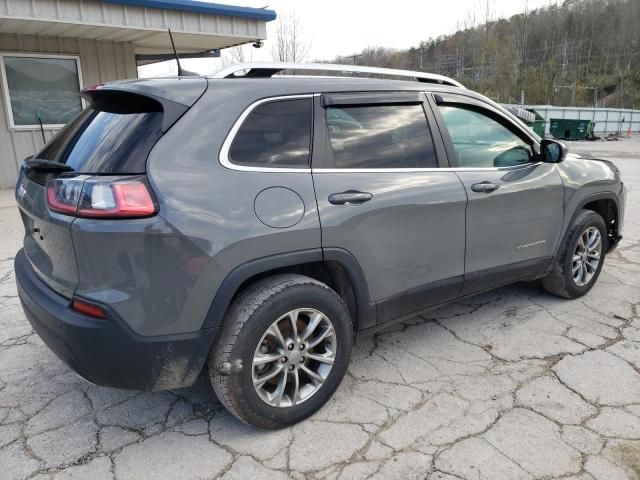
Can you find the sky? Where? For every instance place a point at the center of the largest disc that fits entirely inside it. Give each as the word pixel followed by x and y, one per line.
pixel 344 27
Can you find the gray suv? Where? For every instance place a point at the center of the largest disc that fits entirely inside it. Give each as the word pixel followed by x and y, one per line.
pixel 256 224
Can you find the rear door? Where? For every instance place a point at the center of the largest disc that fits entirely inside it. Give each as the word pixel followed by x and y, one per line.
pixel 515 210
pixel 383 197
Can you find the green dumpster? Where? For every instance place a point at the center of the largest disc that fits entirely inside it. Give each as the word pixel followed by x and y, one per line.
pixel 539 124
pixel 571 129
pixel 530 117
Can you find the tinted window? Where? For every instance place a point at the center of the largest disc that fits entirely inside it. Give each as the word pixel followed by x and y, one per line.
pixel 104 142
pixel 481 141
pixel 380 136
pixel 275 134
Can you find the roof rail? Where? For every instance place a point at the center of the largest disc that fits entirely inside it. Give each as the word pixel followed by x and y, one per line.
pixel 268 69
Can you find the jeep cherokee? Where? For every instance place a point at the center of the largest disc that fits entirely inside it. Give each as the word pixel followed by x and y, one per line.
pixel 256 224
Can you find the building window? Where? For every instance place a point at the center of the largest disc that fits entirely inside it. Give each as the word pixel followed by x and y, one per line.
pixel 41 88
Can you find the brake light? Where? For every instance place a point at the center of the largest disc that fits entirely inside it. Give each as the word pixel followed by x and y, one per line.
pixel 88 309
pixel 63 195
pixel 101 197
pixel 107 199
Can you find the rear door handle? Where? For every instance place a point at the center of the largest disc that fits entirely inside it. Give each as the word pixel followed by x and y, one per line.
pixel 484 187
pixel 350 197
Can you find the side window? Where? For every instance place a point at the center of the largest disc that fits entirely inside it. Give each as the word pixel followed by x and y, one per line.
pixel 380 136
pixel 481 141
pixel 275 134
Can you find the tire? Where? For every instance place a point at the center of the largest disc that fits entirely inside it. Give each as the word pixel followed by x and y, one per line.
pixel 561 281
pixel 244 337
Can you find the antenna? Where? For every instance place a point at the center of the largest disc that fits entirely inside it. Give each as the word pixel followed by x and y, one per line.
pixel 44 139
pixel 175 53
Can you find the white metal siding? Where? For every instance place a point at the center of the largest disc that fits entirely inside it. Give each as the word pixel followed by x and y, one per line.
pixel 607 120
pixel 101 61
pixel 108 21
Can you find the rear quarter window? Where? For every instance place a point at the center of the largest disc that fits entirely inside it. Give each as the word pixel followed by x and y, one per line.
pixel 275 134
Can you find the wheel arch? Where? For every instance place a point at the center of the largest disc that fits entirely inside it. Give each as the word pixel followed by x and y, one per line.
pixel 334 266
pixel 606 205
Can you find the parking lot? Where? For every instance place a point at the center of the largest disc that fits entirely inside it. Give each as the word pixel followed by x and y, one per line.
pixel 512 384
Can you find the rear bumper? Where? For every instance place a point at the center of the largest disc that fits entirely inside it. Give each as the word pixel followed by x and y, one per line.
pixel 107 352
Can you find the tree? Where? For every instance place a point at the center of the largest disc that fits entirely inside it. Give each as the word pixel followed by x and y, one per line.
pixel 289 44
pixel 574 52
pixel 233 55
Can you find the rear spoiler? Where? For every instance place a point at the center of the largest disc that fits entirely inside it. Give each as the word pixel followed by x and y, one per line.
pixel 173 97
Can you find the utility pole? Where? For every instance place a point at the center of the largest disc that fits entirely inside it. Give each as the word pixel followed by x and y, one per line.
pixel 595 95
pixel 556 87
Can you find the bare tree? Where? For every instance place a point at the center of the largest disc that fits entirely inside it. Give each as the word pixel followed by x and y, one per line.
pixel 570 52
pixel 289 44
pixel 520 39
pixel 280 49
pixel 237 54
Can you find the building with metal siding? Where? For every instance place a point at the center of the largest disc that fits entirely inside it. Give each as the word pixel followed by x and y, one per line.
pixel 65 45
pixel 607 120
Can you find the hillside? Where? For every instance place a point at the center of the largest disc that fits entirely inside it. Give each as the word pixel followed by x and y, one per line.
pixel 581 52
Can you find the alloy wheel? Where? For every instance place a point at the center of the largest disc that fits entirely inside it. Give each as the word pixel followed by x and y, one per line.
pixel 294 357
pixel 586 256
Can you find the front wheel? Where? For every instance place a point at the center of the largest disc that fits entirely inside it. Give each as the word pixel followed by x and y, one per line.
pixel 283 350
pixel 581 257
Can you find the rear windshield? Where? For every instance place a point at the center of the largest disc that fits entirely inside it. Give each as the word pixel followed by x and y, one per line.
pixel 106 142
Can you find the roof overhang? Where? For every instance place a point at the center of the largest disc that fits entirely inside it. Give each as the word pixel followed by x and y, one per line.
pixel 199 6
pixel 196 26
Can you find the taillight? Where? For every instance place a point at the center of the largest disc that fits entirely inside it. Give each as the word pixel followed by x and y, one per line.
pixel 101 197
pixel 116 199
pixel 63 194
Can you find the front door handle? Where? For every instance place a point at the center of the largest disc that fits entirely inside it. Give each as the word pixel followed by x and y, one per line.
pixel 350 197
pixel 484 187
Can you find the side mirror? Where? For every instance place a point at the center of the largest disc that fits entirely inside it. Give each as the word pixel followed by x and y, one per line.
pixel 552 151
pixel 513 157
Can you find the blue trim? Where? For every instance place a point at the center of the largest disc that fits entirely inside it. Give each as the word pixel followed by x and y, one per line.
pixel 196 6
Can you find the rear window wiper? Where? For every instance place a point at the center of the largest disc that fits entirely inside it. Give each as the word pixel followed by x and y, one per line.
pixel 47 166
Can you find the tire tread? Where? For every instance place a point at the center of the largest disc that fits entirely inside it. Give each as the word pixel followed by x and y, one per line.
pixel 557 281
pixel 240 312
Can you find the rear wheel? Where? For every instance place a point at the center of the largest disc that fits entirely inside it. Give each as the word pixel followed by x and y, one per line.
pixel 283 350
pixel 581 258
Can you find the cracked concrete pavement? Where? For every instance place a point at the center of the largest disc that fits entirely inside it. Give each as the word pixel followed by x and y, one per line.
pixel 512 384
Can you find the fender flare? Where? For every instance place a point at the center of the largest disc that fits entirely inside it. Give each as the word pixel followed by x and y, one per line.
pixel 234 280
pixel 367 314
pixel 597 196
pixel 587 199
pixel 594 197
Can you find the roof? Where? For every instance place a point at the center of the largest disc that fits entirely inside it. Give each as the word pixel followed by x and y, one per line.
pixel 256 88
pixel 269 69
pixel 245 88
pixel 197 26
pixel 196 6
